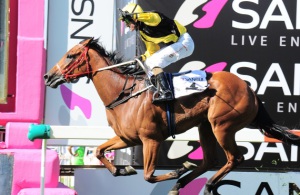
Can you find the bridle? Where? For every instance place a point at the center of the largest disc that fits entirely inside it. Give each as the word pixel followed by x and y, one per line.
pixel 68 75
pixel 68 72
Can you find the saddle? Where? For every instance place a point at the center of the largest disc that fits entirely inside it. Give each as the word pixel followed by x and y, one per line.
pixel 185 83
pixel 181 84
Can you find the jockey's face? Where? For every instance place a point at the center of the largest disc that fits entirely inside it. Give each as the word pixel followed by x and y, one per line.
pixel 131 26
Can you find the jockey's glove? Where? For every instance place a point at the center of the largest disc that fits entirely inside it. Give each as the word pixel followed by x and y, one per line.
pixel 141 57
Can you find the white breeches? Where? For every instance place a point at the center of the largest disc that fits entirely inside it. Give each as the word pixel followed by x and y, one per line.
pixel 184 47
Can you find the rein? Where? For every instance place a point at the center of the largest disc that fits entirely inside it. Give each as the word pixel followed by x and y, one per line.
pixel 67 74
pixel 120 100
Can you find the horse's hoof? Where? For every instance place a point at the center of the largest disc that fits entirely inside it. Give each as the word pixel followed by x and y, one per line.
pixel 190 166
pixel 208 189
pixel 173 192
pixel 130 170
pixel 207 193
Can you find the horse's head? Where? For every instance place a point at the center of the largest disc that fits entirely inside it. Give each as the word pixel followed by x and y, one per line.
pixel 73 65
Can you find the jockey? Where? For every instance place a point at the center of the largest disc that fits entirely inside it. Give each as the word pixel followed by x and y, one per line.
pixel 166 41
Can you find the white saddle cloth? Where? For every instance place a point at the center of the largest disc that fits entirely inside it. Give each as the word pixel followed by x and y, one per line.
pixel 189 83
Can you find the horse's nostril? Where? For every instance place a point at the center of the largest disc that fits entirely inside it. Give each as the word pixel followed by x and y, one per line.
pixel 46 76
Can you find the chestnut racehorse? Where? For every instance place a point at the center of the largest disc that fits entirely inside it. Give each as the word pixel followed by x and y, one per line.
pixel 227 106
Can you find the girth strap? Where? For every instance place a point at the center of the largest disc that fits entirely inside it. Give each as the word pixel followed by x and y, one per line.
pixel 170 110
pixel 120 99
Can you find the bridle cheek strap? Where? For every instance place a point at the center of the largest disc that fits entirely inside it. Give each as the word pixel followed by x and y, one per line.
pixel 68 72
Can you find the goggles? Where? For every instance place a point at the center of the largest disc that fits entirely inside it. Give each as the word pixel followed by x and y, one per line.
pixel 125 17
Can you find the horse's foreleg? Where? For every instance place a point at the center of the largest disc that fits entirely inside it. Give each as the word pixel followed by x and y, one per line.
pixel 114 144
pixel 150 151
pixel 208 143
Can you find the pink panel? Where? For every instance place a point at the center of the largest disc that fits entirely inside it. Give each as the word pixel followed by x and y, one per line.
pixel 48 191
pixel 27 171
pixel 31 18
pixel 16 137
pixel 31 64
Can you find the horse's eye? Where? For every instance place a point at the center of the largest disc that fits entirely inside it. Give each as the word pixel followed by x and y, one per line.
pixel 70 56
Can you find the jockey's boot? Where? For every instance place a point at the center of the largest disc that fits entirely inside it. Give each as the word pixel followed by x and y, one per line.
pixel 166 94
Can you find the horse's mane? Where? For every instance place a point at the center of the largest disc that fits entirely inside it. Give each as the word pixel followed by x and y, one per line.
pixel 112 56
pixel 115 58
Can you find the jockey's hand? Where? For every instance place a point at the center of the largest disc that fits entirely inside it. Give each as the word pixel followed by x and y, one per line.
pixel 139 58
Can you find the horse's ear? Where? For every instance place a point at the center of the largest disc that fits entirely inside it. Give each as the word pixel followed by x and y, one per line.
pixel 87 41
pixel 90 40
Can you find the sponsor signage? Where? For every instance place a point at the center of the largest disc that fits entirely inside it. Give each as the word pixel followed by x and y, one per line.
pixel 257 40
pixel 76 104
pixel 259 156
pixel 248 183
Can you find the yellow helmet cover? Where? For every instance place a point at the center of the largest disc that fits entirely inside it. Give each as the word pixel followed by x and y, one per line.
pixel 128 11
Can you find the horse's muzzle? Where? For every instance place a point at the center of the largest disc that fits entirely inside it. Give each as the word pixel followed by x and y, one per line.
pixel 53 80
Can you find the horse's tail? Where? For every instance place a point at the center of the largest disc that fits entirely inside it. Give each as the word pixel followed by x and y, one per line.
pixel 270 129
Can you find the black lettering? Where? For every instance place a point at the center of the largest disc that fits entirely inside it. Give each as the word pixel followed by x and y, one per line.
pixel 82 7
pixel 225 182
pixel 293 188
pixel 193 79
pixel 88 22
pixel 262 186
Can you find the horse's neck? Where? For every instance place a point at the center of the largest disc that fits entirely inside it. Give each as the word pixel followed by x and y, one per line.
pixel 107 83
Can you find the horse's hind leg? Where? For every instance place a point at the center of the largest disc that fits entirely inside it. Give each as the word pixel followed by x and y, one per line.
pixel 234 157
pixel 208 143
pixel 114 144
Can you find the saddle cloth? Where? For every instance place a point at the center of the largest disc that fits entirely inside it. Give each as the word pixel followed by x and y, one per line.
pixel 189 82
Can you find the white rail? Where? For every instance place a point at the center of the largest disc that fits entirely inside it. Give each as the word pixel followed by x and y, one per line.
pixel 91 135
